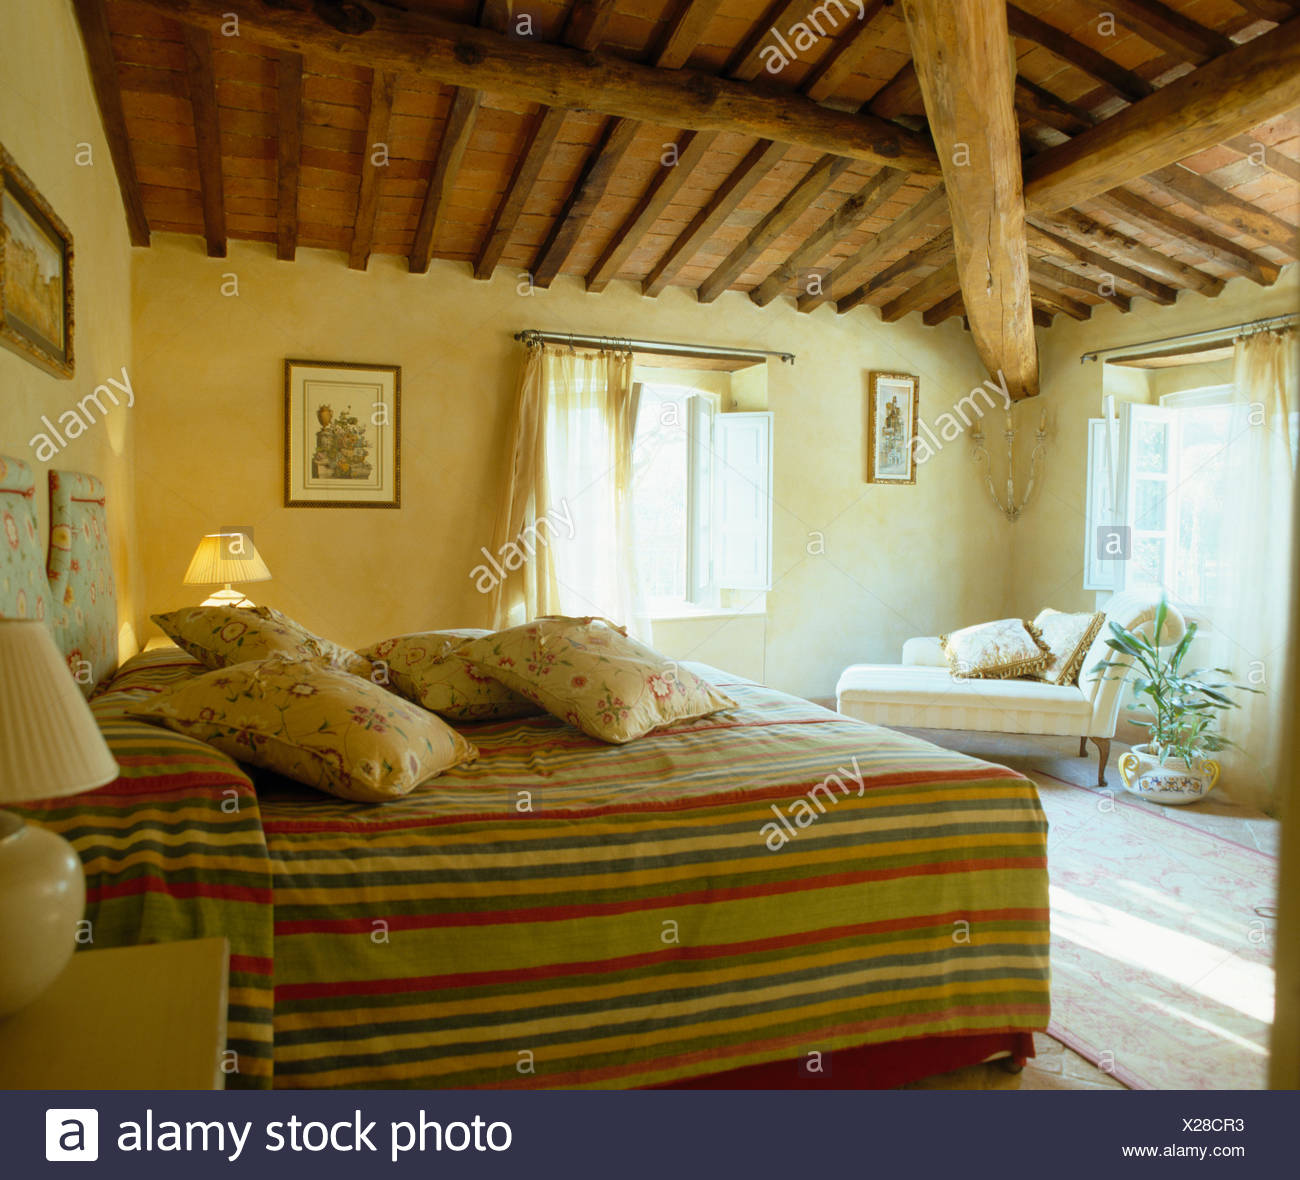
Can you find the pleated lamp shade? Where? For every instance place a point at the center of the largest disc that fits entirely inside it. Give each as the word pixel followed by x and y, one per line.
pixel 222 558
pixel 49 742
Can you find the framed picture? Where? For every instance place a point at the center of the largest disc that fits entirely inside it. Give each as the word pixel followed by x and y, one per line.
pixel 892 407
pixel 35 274
pixel 342 435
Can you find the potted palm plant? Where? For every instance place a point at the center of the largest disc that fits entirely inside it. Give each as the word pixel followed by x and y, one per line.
pixel 1173 765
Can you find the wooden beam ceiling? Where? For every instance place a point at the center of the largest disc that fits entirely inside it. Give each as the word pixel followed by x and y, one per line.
pixel 383 86
pixel 968 82
pixel 568 79
pixel 1211 201
pixel 939 285
pixel 1232 94
pixel 1169 30
pixel 207 137
pixel 1104 271
pixel 95 36
pixel 1058 277
pixel 288 151
pixel 937 250
pixel 1083 57
pixel 459 128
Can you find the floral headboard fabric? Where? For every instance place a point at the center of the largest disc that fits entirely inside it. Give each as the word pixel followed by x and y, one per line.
pixel 74 590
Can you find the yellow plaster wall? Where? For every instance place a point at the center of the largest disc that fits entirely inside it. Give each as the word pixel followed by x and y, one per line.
pixel 858 568
pixel 48 117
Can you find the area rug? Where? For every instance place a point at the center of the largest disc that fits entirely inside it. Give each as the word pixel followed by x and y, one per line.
pixel 1162 943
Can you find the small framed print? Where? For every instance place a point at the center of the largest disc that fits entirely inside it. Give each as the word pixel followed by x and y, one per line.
pixel 342 435
pixel 35 274
pixel 892 408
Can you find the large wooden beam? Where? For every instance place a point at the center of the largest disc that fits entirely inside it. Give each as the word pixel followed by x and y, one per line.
pixel 1233 93
pixel 566 78
pixel 456 135
pixel 207 138
pixel 1208 199
pixel 780 218
pixel 95 36
pixel 968 83
pixel 383 87
pixel 1103 271
pixel 1191 236
pixel 288 150
pixel 1169 30
pixel 836 228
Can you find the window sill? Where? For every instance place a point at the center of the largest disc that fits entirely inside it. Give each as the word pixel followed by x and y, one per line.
pixel 686 615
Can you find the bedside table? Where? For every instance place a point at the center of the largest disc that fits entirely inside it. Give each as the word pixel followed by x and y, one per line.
pixel 132 1018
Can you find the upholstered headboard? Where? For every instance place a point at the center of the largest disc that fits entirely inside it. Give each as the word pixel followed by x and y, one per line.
pixel 72 590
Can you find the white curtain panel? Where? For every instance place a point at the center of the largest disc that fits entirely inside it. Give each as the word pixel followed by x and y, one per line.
pixel 1250 620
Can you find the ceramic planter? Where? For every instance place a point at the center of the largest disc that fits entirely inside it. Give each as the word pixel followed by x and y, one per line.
pixel 1172 781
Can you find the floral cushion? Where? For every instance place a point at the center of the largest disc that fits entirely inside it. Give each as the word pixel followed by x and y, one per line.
pixel 427 668
pixel 995 651
pixel 313 723
pixel 224 635
pixel 589 673
pixel 1068 637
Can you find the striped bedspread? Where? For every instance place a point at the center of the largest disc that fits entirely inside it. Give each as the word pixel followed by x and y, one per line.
pixel 738 890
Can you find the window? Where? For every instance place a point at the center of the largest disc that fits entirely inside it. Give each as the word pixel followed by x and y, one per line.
pixel 701 500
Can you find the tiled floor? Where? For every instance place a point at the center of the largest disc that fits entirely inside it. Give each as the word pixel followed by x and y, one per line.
pixel 1055 1068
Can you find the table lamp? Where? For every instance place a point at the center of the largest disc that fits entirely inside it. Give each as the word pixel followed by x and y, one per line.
pixel 223 558
pixel 49 746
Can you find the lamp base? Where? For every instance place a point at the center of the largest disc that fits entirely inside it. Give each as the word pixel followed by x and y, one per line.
pixel 227 597
pixel 42 897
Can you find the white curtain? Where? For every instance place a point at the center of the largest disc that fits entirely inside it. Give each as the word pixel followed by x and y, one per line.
pixel 568 510
pixel 1250 620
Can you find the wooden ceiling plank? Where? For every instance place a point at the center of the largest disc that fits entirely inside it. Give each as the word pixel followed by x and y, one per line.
pixel 1058 276
pixel 541 139
pixel 383 86
pixel 1171 31
pixel 762 157
pixel 1098 267
pixel 1232 94
pixel 207 137
pixel 968 83
pixel 685 32
pixel 584 28
pixel 1274 10
pixel 1220 205
pixel 1061 45
pixel 931 209
pixel 459 129
pixel 288 69
pixel 1191 236
pixel 667 182
pixel 565 78
pixel 939 285
pixel 780 218
pixel 851 47
pixel 935 251
pixel 95 35
pixel 834 230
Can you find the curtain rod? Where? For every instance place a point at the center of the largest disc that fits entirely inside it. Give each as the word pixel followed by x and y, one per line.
pixel 1227 330
pixel 661 347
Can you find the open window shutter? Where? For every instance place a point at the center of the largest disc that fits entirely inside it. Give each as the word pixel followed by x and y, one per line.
pixel 742 497
pixel 1099 574
pixel 1148 447
pixel 700 416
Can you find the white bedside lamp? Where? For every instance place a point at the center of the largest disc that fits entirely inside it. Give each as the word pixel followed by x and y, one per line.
pixel 223 558
pixel 49 746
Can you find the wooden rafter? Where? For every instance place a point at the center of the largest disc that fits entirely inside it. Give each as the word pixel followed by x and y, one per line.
pixel 930 211
pixel 95 36
pixel 1169 30
pixel 938 285
pixel 1191 236
pixel 1273 160
pixel 1103 271
pixel 1233 93
pixel 897 96
pixel 945 309
pixel 1275 10
pixel 1056 301
pixel 459 128
pixel 937 250
pixel 968 81
pixel 207 137
pixel 568 79
pixel 784 214
pixel 854 42
pixel 1211 201
pixel 1058 277
pixel 1083 57
pixel 288 73
pixel 684 32
pixel 584 28
pixel 834 230
pixel 383 87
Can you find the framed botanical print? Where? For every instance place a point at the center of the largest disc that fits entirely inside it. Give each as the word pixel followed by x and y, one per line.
pixel 892 407
pixel 35 274
pixel 342 435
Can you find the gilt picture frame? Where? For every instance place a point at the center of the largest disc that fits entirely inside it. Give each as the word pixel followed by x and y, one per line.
pixel 36 304
pixel 893 409
pixel 342 435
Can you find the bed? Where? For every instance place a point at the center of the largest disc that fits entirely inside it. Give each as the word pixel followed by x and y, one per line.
pixel 566 913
